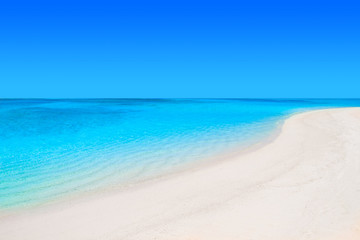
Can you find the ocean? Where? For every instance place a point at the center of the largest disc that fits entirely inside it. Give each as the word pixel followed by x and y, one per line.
pixel 54 148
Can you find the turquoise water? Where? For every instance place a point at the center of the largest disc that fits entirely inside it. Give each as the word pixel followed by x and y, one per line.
pixel 54 148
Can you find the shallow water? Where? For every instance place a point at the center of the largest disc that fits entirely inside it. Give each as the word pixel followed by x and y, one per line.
pixel 52 148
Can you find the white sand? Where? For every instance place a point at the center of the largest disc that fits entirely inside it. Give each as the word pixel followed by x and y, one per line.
pixel 303 185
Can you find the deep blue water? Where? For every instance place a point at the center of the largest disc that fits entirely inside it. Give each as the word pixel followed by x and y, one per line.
pixel 54 148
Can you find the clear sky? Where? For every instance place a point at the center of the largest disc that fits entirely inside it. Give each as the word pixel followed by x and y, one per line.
pixel 179 48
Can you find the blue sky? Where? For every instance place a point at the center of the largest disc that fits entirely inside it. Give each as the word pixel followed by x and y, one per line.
pixel 67 49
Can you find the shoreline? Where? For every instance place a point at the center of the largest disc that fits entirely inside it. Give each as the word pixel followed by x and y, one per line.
pixel 272 192
pixel 78 197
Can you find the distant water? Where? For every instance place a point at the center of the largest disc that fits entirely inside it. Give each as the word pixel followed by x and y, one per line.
pixel 54 148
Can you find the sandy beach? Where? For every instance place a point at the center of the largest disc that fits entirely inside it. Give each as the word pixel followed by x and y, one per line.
pixel 305 184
